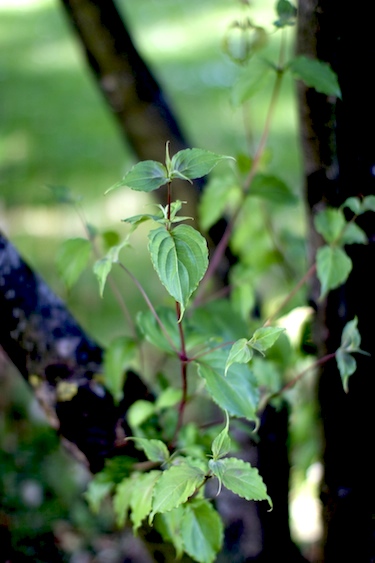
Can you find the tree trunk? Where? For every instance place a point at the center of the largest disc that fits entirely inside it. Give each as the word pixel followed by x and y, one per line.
pixel 339 162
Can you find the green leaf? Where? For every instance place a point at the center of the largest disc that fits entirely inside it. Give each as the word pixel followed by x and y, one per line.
pixel 222 443
pixel 271 188
pixel 175 486
pixel 351 338
pixel 139 412
pixel 239 477
pixel 202 531
pixel 141 497
pixel 237 392
pixel 168 398
pixel 368 203
pixel 103 267
pixel 286 12
pixel 316 74
pixel 145 176
pixel 151 330
pixel 169 525
pixel 347 366
pixel 330 223
pixel 353 235
pixel 155 450
pixel 137 220
pixel 265 337
pixel 117 358
pixel 195 163
pixel 180 258
pixel 72 259
pixel 240 353
pixel 333 267
pixel 98 488
pixel 354 204
pixel 122 498
pixel 219 195
pixel 251 80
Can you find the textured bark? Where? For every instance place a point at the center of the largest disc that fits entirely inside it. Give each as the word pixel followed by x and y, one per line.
pixel 339 159
pixel 53 353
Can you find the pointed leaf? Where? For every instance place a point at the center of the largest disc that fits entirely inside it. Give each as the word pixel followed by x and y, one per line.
pixel 151 330
pixel 117 358
pixel 237 392
pixel 155 450
pixel 145 176
pixel 316 74
pixel 180 258
pixel 222 443
pixel 175 486
pixel 141 497
pixel 351 338
pixel 240 477
pixel 333 268
pixel 202 531
pixel 353 234
pixel 240 353
pixel 265 337
pixel 103 267
pixel 330 223
pixel 72 259
pixel 347 366
pixel 195 163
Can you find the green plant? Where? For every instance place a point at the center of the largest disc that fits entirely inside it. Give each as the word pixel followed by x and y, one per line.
pixel 209 341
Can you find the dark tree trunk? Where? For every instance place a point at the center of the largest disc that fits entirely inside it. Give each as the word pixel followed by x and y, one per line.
pixel 52 352
pixel 338 145
pixel 136 99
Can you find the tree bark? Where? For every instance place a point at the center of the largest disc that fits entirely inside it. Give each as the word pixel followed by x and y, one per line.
pixel 54 354
pixel 339 162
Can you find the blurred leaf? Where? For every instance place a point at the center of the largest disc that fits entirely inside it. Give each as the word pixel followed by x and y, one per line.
pixel 117 358
pixel 139 412
pixel 72 259
pixel 272 189
pixel 333 268
pixel 287 13
pixel 221 194
pixel 169 525
pixel 316 74
pixel 252 79
pixel 330 223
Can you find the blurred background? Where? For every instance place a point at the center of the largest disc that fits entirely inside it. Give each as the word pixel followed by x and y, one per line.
pixel 56 130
